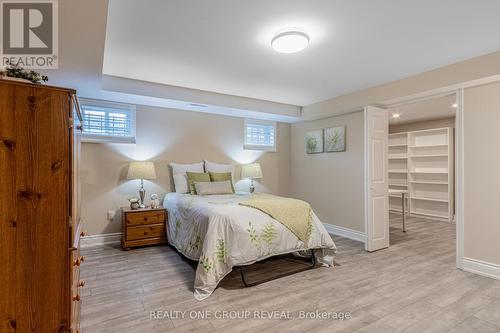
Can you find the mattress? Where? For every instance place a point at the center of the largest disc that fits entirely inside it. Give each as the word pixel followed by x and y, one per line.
pixel 220 234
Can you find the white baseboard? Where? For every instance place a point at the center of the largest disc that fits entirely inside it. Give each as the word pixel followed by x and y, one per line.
pixel 345 232
pixel 482 268
pixel 96 240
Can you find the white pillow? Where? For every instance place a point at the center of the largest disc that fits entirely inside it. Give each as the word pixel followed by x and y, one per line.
pixel 180 177
pixel 218 167
pixel 205 188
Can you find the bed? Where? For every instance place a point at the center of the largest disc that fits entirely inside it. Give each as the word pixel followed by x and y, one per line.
pixel 220 234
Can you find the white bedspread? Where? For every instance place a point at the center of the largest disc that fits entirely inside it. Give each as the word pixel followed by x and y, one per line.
pixel 220 234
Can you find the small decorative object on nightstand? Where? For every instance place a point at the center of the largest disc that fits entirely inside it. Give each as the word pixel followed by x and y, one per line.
pixel 134 203
pixel 144 226
pixel 155 201
pixel 251 171
pixel 141 170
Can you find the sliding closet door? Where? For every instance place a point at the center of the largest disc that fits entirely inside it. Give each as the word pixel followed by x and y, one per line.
pixel 376 179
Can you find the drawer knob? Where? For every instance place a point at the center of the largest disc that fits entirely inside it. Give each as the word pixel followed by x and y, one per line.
pixel 145 219
pixel 78 261
pixel 82 284
pixel 76 298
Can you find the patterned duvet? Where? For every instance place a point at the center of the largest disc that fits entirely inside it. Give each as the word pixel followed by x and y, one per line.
pixel 219 233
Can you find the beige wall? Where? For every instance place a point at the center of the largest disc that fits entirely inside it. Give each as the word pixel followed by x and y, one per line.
pixel 163 136
pixel 482 173
pixel 331 182
pixel 422 125
pixel 472 69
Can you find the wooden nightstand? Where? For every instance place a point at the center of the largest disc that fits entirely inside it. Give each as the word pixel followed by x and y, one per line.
pixel 144 226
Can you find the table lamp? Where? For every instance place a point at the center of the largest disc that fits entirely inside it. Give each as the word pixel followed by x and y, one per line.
pixel 251 171
pixel 141 170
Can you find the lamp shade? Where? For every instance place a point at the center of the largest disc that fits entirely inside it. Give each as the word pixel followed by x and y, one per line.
pixel 141 170
pixel 251 171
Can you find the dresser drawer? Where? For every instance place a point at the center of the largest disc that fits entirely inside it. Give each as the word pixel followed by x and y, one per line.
pixel 145 218
pixel 150 231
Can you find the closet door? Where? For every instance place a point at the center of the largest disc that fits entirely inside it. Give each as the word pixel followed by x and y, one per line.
pixel 376 174
pixel 8 208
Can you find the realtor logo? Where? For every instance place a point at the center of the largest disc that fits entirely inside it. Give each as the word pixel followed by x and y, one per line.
pixel 29 33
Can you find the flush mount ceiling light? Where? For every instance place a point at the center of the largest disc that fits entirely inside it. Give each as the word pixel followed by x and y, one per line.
pixel 290 41
pixel 454 105
pixel 396 115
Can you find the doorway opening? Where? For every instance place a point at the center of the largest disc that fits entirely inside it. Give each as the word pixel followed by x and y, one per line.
pixel 426 164
pixel 421 169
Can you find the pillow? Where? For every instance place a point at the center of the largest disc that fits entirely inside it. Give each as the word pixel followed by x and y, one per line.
pixel 222 176
pixel 204 188
pixel 218 167
pixel 196 177
pixel 179 175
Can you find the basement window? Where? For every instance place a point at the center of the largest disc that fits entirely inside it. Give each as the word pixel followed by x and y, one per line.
pixel 260 135
pixel 107 121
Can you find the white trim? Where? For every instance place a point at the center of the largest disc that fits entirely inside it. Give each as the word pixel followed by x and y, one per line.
pixel 99 240
pixel 365 166
pixel 345 232
pixel 458 90
pixel 459 178
pixel 483 268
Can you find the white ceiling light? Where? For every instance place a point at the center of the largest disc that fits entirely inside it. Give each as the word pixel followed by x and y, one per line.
pixel 290 41
pixel 396 115
pixel 454 105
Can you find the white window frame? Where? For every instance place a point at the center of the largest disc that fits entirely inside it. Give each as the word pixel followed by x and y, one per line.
pixel 89 137
pixel 260 147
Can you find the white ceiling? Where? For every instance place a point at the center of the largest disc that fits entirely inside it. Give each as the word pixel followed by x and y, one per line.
pixel 435 108
pixel 223 46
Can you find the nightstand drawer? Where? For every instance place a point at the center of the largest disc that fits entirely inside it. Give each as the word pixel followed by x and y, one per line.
pixel 150 231
pixel 145 218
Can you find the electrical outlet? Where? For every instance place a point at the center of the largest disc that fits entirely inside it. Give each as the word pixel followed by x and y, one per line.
pixel 111 215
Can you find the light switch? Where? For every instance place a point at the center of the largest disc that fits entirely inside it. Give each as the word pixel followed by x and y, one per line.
pixel 111 215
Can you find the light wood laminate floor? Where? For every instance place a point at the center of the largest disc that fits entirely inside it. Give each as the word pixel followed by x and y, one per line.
pixel 411 287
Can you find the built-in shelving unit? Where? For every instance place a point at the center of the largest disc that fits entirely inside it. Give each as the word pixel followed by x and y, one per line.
pixel 398 169
pixel 427 171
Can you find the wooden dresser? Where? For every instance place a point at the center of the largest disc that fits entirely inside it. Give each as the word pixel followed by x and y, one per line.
pixel 40 226
pixel 143 227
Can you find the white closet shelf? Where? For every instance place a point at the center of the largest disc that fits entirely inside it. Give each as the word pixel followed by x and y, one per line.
pixel 431 172
pixel 430 155
pixel 429 199
pixel 397 196
pixel 426 172
pixel 429 146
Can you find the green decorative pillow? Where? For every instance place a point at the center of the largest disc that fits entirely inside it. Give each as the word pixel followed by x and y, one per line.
pixel 221 177
pixel 196 177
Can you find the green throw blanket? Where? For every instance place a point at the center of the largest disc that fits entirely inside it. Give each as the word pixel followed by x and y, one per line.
pixel 294 214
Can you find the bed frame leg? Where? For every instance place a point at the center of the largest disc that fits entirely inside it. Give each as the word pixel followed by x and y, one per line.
pixel 251 284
